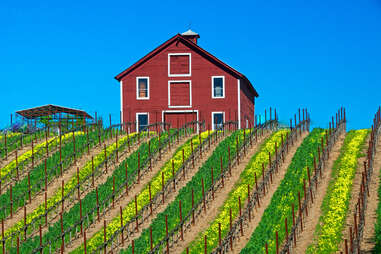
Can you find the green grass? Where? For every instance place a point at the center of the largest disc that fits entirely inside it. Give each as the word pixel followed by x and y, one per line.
pixel 286 194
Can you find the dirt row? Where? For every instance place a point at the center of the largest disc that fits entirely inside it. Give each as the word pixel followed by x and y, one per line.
pixel 367 243
pixel 240 243
pixel 55 184
pixel 202 222
pixel 314 211
pixel 133 190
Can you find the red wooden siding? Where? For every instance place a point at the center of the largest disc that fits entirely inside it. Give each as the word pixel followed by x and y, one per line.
pixel 202 70
pixel 179 119
pixel 179 64
pixel 180 93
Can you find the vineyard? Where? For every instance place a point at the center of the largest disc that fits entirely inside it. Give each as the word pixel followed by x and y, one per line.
pixel 267 188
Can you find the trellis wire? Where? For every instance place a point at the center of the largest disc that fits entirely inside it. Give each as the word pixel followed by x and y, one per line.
pixel 144 168
pixel 129 226
pixel 174 236
pixel 68 159
pixel 289 243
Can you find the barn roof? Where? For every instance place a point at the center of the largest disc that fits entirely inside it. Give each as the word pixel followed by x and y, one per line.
pixel 47 110
pixel 195 47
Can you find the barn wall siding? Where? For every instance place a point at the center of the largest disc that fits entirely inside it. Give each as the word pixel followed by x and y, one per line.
pixel 247 105
pixel 202 70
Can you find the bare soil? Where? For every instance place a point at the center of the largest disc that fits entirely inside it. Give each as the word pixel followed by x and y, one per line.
pixel 202 222
pixel 354 197
pixel 54 185
pixel 4 161
pixel 314 210
pixel 27 166
pixel 240 243
pixel 367 242
pixel 133 190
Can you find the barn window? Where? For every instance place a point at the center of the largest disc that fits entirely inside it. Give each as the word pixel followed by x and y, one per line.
pixel 142 88
pixel 217 119
pixel 142 121
pixel 179 65
pixel 179 94
pixel 218 87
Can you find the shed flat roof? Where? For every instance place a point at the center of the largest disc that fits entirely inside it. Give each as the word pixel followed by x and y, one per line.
pixel 47 110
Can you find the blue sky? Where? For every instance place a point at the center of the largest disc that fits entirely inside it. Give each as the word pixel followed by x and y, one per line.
pixel 315 54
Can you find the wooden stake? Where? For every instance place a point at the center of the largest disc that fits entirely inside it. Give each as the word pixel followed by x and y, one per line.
pixel 203 194
pixel 136 214
pixel 166 232
pixel 240 214
pixel 10 194
pixel 104 236
pixel 113 191
pixel 29 190
pixel 277 242
pixel 150 198
pixel 84 242
pixel 193 206
pixel 46 209
pixel 2 234
pixel 96 192
pixel 173 176
pixel 205 245
pixel 150 236
pixel 125 166
pixel 162 185
pixel 181 220
pixel 212 186
pixel 231 225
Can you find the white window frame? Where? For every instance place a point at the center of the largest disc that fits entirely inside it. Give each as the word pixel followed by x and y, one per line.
pixel 137 119
pixel 169 93
pixel 223 87
pixel 137 89
pixel 217 112
pixel 189 74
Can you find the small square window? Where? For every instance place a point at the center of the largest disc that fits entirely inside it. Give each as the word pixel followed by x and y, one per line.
pixel 217 120
pixel 142 88
pixel 179 65
pixel 218 87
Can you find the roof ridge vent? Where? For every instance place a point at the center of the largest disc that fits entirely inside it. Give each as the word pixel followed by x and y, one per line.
pixel 191 35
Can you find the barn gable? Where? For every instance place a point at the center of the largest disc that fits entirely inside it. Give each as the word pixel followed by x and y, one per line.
pixel 190 43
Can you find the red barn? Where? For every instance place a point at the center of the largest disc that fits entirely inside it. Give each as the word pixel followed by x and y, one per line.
pixel 179 82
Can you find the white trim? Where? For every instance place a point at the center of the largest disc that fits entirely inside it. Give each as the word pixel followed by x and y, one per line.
pixel 137 89
pixel 223 87
pixel 169 93
pixel 217 112
pixel 121 100
pixel 137 119
pixel 179 75
pixel 239 102
pixel 181 111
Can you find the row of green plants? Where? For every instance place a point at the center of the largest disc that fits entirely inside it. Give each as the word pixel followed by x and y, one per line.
pixel 20 189
pixel 14 141
pixel 334 209
pixel 143 197
pixel 280 206
pixel 9 135
pixel 84 172
pixel 39 150
pixel 142 244
pixel 254 167
pixel 71 218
